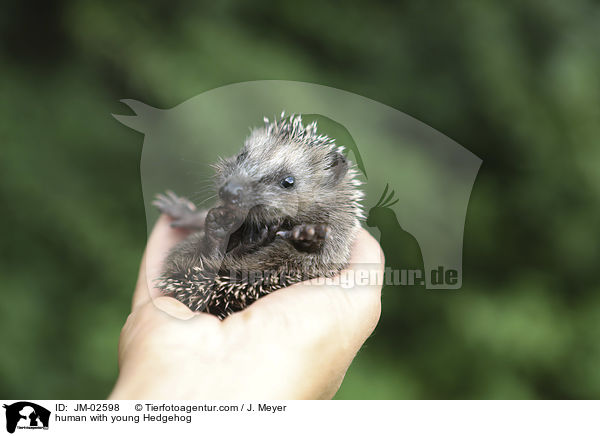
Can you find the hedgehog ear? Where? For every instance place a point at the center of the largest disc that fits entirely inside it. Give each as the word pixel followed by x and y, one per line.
pixel 337 165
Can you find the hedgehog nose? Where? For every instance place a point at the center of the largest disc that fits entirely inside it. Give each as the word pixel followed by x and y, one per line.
pixel 231 192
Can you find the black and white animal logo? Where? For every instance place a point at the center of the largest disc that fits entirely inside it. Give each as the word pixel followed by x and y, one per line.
pixel 26 415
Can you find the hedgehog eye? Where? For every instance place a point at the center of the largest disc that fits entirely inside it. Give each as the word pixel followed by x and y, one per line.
pixel 288 182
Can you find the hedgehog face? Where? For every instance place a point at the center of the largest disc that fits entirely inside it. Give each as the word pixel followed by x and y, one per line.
pixel 275 178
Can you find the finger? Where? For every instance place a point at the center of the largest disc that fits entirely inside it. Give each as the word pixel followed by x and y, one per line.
pixel 175 308
pixel 350 307
pixel 160 242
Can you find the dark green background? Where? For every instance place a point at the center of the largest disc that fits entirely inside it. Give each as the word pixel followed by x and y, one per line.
pixel 515 82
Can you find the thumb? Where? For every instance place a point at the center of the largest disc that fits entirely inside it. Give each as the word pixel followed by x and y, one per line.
pixel 160 242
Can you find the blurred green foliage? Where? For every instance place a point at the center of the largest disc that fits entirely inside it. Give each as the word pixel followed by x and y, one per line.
pixel 515 82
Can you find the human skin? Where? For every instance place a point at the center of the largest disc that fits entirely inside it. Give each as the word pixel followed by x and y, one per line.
pixel 296 343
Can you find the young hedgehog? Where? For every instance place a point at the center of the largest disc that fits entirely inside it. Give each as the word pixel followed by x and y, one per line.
pixel 288 211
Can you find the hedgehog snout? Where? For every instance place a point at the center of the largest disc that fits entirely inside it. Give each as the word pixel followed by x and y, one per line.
pixel 234 192
pixel 231 193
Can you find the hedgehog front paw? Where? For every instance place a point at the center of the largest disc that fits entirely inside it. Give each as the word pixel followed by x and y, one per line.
pixel 220 221
pixel 306 237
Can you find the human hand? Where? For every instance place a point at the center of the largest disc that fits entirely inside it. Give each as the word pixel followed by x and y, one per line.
pixel 295 343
